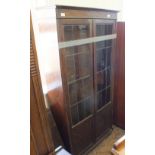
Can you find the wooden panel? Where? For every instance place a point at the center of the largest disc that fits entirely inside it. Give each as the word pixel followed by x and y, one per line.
pixel 119 89
pixel 73 12
pixel 41 138
pixel 103 120
pixel 33 147
pixel 54 130
pixel 82 136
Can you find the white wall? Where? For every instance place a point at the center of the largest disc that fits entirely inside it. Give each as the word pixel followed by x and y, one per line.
pixel 106 4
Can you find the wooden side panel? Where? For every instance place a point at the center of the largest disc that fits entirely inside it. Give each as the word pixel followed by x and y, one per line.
pixel 119 89
pixel 33 147
pixel 54 130
pixel 41 138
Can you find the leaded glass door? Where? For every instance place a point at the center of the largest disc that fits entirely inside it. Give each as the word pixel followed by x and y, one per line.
pixel 77 66
pixel 103 50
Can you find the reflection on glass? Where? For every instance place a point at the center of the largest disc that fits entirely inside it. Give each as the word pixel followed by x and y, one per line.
pixel 70 68
pixel 73 32
pixel 103 29
pixel 100 30
pixel 101 99
pixel 108 43
pixel 84 63
pixel 108 29
pixel 101 59
pixel 100 45
pixel 88 103
pixel 86 88
pixel 78 62
pixel 75 116
pixel 81 107
pixel 79 90
pixel 109 56
pixel 108 95
pixel 82 110
pixel 101 80
pixel 73 92
pixel 108 77
pixel 103 65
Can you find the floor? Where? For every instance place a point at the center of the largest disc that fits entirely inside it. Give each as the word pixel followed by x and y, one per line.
pixel 104 148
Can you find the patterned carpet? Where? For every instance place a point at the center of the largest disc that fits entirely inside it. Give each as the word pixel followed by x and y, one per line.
pixel 104 148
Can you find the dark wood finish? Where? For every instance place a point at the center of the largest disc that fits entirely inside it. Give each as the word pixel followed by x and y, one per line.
pixel 103 76
pixel 73 101
pixel 104 116
pixel 119 90
pixel 82 136
pixel 57 140
pixel 76 12
pixel 40 136
pixel 74 146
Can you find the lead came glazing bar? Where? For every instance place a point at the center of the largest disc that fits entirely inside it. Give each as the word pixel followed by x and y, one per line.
pixel 86 41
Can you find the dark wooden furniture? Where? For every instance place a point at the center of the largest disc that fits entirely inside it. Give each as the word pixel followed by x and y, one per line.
pixel 119 89
pixel 81 100
pixel 57 140
pixel 41 142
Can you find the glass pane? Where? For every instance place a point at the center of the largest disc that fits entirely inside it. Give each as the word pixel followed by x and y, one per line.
pixel 78 62
pixel 108 78
pixel 81 107
pixel 88 105
pixel 70 68
pixel 101 80
pixel 108 43
pixel 108 96
pixel 73 92
pixel 100 30
pixel 84 58
pixel 84 108
pixel 109 56
pixel 85 88
pixel 108 29
pixel 75 116
pixel 100 45
pixel 80 90
pixel 101 59
pixel 73 32
pixel 69 51
pixel 101 99
pixel 104 29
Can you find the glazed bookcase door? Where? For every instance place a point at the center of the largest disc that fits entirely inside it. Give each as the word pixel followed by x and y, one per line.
pixel 103 74
pixel 77 66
